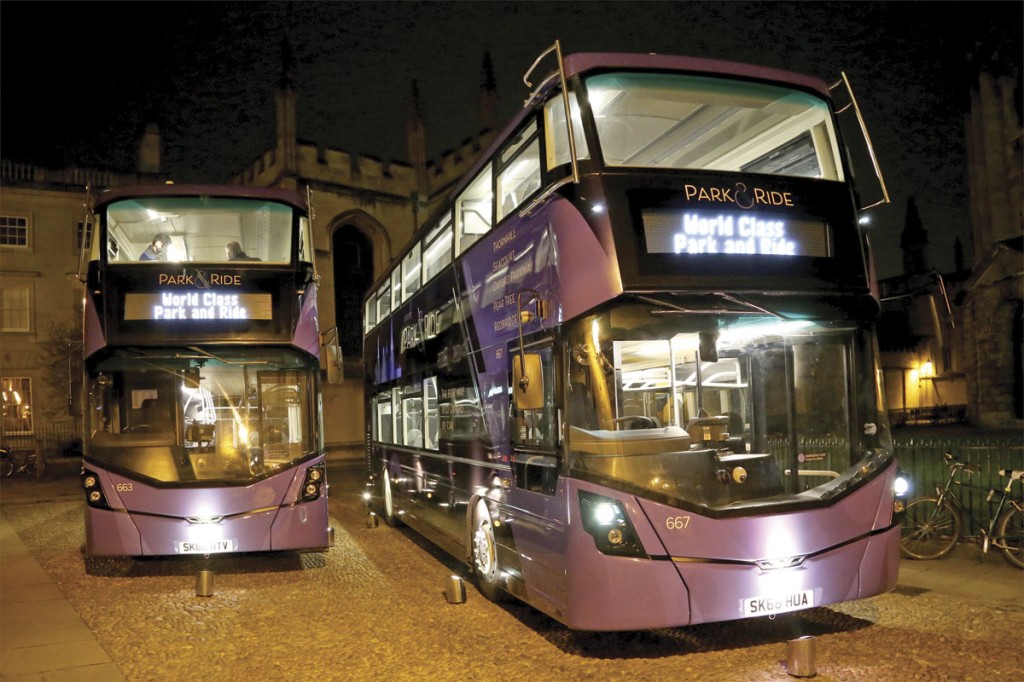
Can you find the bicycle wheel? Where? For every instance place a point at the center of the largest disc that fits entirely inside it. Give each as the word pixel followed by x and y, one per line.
pixel 1010 536
pixel 930 530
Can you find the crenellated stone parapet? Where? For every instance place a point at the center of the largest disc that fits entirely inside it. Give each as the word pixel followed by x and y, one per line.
pixel 21 173
pixel 327 166
pixel 453 164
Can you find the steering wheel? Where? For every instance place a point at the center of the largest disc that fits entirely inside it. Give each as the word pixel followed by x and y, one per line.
pixel 646 422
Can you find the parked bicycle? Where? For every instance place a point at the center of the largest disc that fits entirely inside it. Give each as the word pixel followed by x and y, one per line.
pixel 17 462
pixel 932 526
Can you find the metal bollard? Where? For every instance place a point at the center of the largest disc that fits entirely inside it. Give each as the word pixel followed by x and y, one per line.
pixel 204 583
pixel 372 520
pixel 330 536
pixel 800 657
pixel 455 590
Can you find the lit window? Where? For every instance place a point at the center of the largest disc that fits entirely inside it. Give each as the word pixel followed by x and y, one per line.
pixel 371 313
pixel 383 302
pixel 411 272
pixel 520 175
pixel 473 211
pixel 438 251
pixel 557 135
pixel 17 404
pixel 396 289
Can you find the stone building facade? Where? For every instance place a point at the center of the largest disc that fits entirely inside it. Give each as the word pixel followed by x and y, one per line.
pixel 362 205
pixel 992 304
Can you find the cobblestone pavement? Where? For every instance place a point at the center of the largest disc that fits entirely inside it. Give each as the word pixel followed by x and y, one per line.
pixel 372 608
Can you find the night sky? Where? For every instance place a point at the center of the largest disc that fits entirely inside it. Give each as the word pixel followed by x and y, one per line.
pixel 80 80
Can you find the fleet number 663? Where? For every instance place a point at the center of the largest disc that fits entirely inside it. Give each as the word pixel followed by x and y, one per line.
pixel 677 522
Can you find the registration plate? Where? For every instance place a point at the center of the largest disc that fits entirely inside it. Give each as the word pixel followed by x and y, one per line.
pixel 205 547
pixel 766 606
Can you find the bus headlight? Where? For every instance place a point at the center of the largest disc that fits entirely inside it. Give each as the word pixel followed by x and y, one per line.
pixel 605 520
pixel 900 491
pixel 93 491
pixel 313 483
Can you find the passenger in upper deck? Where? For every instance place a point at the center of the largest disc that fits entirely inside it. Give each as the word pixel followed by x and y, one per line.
pixel 156 249
pixel 234 252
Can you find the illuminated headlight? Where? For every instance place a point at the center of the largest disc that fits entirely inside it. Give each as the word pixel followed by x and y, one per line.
pixel 901 485
pixel 95 496
pixel 604 519
pixel 605 513
pixel 313 484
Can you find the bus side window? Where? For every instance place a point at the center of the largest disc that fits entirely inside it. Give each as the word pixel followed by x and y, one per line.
pixel 520 173
pixel 430 414
pixel 437 252
pixel 556 135
pixel 473 211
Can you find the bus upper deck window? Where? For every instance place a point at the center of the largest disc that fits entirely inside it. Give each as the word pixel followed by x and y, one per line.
pixel 473 211
pixel 396 289
pixel 519 178
pixel 557 135
pixel 383 302
pixel 437 253
pixel 411 270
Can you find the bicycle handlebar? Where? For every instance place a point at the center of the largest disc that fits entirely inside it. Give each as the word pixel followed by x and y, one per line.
pixel 1012 474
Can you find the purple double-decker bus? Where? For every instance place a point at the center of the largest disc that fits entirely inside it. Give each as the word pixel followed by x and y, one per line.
pixel 202 374
pixel 628 372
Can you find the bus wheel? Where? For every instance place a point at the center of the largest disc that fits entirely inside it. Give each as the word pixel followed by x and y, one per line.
pixel 485 555
pixel 389 503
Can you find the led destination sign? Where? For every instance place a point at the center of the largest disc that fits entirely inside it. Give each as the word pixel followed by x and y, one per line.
pixel 197 305
pixel 700 232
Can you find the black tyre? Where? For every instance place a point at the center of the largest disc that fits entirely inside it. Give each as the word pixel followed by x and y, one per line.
pixel 6 467
pixel 930 530
pixel 485 554
pixel 1010 536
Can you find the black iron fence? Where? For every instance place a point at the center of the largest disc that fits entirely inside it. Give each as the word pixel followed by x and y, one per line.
pixel 50 441
pixel 922 460
pixel 932 415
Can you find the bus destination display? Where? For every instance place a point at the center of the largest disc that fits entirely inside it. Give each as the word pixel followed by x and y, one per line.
pixel 197 305
pixel 700 232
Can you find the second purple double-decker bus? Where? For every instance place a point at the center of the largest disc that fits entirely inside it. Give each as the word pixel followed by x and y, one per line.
pixel 202 374
pixel 629 373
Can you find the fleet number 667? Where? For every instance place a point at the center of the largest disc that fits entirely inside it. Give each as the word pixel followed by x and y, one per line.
pixel 677 522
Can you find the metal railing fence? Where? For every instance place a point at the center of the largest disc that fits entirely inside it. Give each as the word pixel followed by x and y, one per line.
pixel 921 459
pixel 49 441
